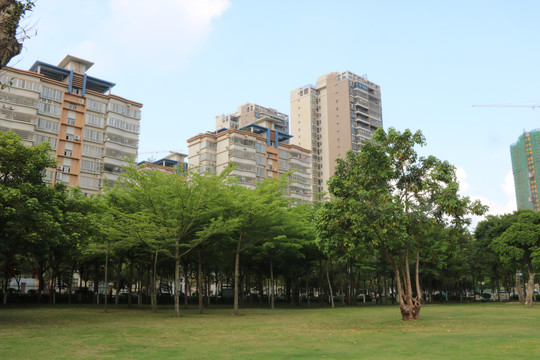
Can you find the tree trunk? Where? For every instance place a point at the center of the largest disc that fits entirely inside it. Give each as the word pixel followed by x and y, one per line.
pixel 153 293
pixel 341 292
pixel 410 310
pixel 186 284
pixel 9 41
pixel 130 281
pixel 237 275
pixel 272 298
pixel 329 283
pixel 199 283
pixel 308 292
pixel 518 286
pixel 106 280
pixel 118 277
pixel 176 283
pixel 530 287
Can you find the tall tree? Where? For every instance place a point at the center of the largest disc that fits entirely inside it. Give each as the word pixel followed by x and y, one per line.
pixel 170 210
pixel 385 196
pixel 521 243
pixel 256 211
pixel 21 187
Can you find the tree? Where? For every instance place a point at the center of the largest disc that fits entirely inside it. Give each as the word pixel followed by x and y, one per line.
pixel 521 243
pixel 11 13
pixel 385 196
pixel 21 189
pixel 485 257
pixel 255 211
pixel 168 210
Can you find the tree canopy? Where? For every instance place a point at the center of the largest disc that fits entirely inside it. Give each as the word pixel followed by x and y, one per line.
pixel 388 198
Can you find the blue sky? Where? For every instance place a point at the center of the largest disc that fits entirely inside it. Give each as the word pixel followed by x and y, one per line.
pixel 188 61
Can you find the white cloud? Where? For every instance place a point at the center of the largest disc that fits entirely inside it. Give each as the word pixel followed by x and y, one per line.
pixel 159 34
pixel 505 204
pixel 461 175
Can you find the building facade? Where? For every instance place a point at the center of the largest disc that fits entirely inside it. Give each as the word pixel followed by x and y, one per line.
pixel 258 152
pixel 175 162
pixel 91 132
pixel 254 114
pixel 338 114
pixel 525 155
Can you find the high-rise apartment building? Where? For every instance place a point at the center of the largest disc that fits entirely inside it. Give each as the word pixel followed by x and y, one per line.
pixel 254 114
pixel 255 140
pixel 91 131
pixel 338 114
pixel 525 155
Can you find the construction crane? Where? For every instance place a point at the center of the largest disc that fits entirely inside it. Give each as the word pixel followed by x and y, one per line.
pixel 515 106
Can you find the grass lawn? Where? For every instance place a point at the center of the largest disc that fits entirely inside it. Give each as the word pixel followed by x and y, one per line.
pixel 460 331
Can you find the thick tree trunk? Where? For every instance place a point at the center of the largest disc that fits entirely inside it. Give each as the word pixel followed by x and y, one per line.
pixel 410 308
pixel 9 19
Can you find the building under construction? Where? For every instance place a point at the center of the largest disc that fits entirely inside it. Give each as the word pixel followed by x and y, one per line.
pixel 525 159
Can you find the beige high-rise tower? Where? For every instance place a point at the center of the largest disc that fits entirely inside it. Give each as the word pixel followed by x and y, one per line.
pixel 338 114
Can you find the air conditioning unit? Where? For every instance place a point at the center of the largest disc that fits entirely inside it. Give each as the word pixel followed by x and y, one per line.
pixel 11 108
pixel 81 101
pixel 60 168
pixel 77 137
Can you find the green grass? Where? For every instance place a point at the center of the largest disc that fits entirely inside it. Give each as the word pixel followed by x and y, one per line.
pixel 475 331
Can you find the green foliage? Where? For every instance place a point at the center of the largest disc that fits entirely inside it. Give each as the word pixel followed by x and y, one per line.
pixel 520 241
pixel 386 198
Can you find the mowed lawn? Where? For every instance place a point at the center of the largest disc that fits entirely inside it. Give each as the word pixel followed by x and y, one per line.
pixel 459 331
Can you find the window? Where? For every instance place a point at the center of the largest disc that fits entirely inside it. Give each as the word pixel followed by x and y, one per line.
pixel 96 106
pixel 124 125
pixel 51 94
pixel 94 120
pixel 68 152
pixel 90 166
pixel 90 150
pixel 38 139
pixel 49 109
pixel 90 183
pixel 71 121
pixel 260 148
pixel 47 125
pixel 73 106
pixel 93 135
pixel 69 137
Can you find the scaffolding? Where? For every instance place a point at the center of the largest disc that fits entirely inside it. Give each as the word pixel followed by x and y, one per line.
pixel 525 155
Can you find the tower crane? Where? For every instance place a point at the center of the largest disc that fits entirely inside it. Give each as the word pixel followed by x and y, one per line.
pixel 503 105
